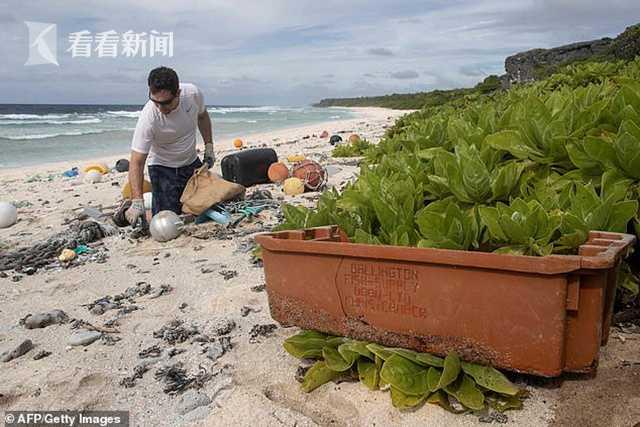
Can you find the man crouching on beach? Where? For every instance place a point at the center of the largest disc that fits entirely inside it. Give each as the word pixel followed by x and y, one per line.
pixel 166 133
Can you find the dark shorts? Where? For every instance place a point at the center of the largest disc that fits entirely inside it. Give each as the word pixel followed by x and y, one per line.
pixel 168 184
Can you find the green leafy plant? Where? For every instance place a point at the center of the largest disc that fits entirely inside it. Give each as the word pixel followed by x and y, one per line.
pixel 412 378
pixel 445 225
pixel 588 210
pixel 473 175
pixel 553 156
pixel 351 149
pixel 523 228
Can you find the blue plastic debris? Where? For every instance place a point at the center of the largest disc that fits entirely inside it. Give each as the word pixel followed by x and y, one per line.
pixel 71 172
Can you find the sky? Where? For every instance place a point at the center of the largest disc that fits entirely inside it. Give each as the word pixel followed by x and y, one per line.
pixel 292 52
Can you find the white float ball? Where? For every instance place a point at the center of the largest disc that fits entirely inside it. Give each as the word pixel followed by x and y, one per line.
pixel 93 177
pixel 165 226
pixel 8 214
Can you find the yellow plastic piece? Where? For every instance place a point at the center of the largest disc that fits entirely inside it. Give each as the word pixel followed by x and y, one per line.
pixel 295 158
pixel 67 255
pixel 293 186
pixel 99 167
pixel 126 190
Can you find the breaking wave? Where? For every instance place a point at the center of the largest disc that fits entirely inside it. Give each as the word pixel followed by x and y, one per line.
pixel 129 114
pixel 55 135
pixel 33 116
pixel 49 122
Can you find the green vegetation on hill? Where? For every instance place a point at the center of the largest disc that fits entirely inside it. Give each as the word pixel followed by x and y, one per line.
pixel 415 101
pixel 411 101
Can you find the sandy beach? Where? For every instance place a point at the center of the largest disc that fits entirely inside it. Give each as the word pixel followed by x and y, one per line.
pixel 206 280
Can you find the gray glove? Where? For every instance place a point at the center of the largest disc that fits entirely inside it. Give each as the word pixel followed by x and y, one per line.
pixel 209 156
pixel 135 211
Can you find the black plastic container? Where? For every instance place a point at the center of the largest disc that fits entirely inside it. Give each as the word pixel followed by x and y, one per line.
pixel 248 167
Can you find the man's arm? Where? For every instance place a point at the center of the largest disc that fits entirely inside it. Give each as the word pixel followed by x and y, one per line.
pixel 204 125
pixel 136 180
pixel 136 173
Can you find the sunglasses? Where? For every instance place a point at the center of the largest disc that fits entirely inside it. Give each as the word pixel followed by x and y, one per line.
pixel 162 103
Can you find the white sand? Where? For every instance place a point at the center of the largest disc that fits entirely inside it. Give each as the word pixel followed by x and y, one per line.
pixel 258 386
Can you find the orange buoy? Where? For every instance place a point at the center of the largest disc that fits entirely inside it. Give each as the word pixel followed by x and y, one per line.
pixel 354 138
pixel 278 172
pixel 238 143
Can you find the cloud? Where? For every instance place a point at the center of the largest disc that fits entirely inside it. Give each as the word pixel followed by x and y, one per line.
pixel 405 75
pixel 410 21
pixel 380 51
pixel 296 51
pixel 6 18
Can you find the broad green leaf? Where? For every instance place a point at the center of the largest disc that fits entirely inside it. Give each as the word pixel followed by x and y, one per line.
pixel 511 141
pixel 405 375
pixel 402 400
pixel 490 378
pixel 601 151
pixel 627 146
pixel 335 361
pixel 306 345
pixel 335 341
pixel 433 378
pixel 476 178
pixel 456 184
pixel 295 215
pixel 379 363
pixel 450 371
pixel 382 352
pixel 465 391
pixel 506 179
pixel 430 360
pixel 490 217
pixel 513 227
pixel 357 347
pixel 424 359
pixel 368 373
pixel 584 161
pixel 407 354
pixel 615 186
pixel 318 375
pixel 445 225
pixel 620 215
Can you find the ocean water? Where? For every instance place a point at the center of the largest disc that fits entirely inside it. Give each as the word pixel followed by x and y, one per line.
pixel 34 134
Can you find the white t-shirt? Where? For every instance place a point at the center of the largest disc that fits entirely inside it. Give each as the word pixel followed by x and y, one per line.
pixel 170 139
